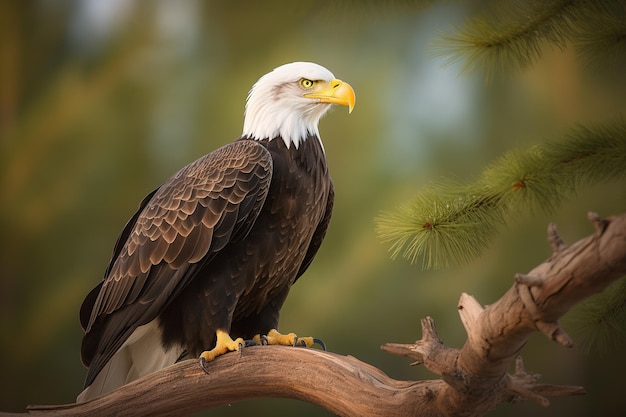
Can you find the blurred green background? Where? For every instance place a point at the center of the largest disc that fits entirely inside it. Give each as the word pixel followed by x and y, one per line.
pixel 102 100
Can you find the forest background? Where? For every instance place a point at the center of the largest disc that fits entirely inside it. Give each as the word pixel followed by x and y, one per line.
pixel 100 101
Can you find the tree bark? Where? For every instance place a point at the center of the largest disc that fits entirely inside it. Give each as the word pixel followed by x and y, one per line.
pixel 474 379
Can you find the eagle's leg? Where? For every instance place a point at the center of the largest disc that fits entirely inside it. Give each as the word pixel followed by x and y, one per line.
pixel 273 337
pixel 223 344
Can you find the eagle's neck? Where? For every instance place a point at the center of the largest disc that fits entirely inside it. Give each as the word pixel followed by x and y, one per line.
pixel 269 117
pixel 309 154
pixel 290 142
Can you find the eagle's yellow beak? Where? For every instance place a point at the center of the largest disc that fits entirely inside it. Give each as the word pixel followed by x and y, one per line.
pixel 335 92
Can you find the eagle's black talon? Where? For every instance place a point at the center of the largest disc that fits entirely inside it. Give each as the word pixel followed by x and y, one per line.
pixel 264 340
pixel 250 342
pixel 320 342
pixel 203 365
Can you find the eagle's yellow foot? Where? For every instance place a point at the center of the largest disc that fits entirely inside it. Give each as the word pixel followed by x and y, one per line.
pixel 273 337
pixel 223 345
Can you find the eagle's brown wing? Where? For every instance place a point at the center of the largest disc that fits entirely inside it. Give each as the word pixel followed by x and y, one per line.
pixel 178 228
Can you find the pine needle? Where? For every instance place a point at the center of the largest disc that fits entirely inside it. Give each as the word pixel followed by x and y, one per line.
pixel 601 42
pixel 448 224
pixel 589 155
pixel 441 228
pixel 510 38
pixel 526 181
pixel 601 320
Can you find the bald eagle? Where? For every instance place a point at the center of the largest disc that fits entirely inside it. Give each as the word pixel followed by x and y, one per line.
pixel 209 258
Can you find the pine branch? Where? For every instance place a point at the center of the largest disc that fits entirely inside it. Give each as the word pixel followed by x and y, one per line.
pixel 441 221
pixel 600 321
pixel 601 41
pixel 511 37
pixel 452 224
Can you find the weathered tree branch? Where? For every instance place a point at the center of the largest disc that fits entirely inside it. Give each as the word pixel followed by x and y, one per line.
pixel 323 378
pixel 474 379
pixel 477 374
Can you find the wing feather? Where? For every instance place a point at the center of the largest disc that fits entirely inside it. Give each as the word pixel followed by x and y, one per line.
pixel 173 250
pixel 183 223
pixel 159 249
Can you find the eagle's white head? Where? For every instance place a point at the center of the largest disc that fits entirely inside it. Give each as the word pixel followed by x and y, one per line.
pixel 289 102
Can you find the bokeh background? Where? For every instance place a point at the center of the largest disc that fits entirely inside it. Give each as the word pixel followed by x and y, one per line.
pixel 102 100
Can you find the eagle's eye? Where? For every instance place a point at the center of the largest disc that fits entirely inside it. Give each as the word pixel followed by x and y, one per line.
pixel 306 83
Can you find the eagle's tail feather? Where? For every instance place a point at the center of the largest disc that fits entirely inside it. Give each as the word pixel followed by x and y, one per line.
pixel 141 354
